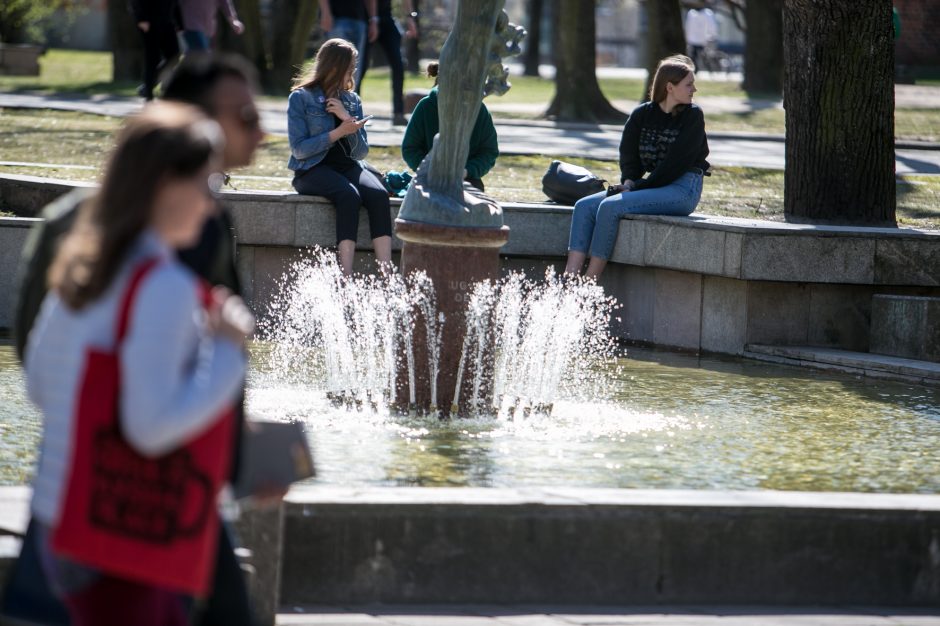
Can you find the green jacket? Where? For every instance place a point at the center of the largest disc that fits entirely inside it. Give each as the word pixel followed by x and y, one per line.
pixel 419 137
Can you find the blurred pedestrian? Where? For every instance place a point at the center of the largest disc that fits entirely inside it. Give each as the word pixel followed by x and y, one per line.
pixel 199 22
pixel 179 371
pixel 353 20
pixel 701 31
pixel 223 87
pixel 389 38
pixel 328 141
pixel 157 24
pixel 425 124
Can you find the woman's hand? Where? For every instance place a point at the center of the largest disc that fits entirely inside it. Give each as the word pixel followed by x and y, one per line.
pixel 229 317
pixel 349 126
pixel 335 106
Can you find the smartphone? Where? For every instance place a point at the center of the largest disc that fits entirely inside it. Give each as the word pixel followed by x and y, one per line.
pixel 366 118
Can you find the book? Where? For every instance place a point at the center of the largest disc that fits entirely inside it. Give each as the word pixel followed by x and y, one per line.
pixel 273 456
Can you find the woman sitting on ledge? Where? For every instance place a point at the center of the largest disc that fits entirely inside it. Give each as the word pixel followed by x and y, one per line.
pixel 424 124
pixel 665 137
pixel 327 139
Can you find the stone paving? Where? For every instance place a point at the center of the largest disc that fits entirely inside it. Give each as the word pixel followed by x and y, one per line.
pixel 607 616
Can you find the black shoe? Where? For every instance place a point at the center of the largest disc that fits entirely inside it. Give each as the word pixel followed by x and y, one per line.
pixel 143 93
pixel 399 120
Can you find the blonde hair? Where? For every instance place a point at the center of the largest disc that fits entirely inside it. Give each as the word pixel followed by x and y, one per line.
pixel 329 68
pixel 672 69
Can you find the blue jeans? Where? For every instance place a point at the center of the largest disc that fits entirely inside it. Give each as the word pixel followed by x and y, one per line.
pixel 596 218
pixel 354 31
pixel 196 41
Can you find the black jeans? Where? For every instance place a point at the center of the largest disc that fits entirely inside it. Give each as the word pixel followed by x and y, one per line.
pixel 161 48
pixel 348 189
pixel 390 40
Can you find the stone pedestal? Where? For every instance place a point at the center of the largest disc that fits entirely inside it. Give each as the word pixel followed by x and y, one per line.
pixel 454 258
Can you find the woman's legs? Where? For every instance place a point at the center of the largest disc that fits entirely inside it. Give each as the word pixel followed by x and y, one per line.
pixel 680 198
pixel 323 180
pixel 375 200
pixel 582 228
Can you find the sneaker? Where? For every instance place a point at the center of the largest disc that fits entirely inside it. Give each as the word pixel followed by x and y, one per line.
pixel 399 120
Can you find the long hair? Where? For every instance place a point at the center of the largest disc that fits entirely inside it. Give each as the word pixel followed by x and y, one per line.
pixel 164 141
pixel 329 68
pixel 673 70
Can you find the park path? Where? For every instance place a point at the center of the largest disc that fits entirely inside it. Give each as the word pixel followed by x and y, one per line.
pixel 537 137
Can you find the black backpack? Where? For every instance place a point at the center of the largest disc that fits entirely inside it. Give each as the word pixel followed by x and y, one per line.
pixel 566 183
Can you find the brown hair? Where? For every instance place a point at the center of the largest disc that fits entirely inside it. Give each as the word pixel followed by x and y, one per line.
pixel 673 70
pixel 433 70
pixel 164 141
pixel 329 67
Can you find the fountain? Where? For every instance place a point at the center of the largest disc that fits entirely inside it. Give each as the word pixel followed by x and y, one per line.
pixel 451 233
pixel 368 341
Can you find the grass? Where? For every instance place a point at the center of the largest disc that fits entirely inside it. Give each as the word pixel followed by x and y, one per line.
pixel 83 140
pixel 85 72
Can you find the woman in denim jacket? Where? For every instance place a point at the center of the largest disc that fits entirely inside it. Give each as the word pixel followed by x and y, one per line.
pixel 327 142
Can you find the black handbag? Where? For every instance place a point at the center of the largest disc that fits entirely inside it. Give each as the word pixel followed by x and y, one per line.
pixel 566 183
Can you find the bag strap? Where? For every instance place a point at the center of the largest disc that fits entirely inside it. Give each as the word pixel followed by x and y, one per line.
pixel 137 277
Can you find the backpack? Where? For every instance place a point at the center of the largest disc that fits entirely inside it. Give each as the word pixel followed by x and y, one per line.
pixel 566 183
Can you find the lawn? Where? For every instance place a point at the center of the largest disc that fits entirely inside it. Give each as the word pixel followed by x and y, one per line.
pixel 72 71
pixel 80 142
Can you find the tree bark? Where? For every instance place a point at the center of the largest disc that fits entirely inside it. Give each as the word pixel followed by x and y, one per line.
pixel 763 47
pixel 839 97
pixel 578 96
pixel 665 35
pixel 292 21
pixel 533 40
pixel 127 49
pixel 249 44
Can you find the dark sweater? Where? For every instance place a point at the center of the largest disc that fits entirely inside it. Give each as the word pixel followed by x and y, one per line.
pixel 664 145
pixel 424 124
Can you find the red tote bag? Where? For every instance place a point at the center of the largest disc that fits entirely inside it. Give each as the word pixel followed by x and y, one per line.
pixel 151 520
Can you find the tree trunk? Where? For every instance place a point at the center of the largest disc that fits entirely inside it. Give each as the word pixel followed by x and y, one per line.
pixel 763 47
pixel 839 97
pixel 127 49
pixel 533 40
pixel 292 21
pixel 665 35
pixel 578 96
pixel 249 44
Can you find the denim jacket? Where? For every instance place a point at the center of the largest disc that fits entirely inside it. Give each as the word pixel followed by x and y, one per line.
pixel 309 125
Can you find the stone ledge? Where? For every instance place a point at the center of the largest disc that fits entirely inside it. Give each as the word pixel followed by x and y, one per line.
pixel 587 546
pixel 317 496
pixel 861 363
pixel 738 248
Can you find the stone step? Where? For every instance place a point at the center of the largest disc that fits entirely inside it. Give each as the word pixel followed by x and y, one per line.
pixel 906 326
pixel 859 363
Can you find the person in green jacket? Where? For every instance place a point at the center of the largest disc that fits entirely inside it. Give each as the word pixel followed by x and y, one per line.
pixel 424 125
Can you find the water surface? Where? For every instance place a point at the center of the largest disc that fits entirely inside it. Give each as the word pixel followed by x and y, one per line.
pixel 667 421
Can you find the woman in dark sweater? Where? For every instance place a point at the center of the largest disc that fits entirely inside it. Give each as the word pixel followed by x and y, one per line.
pixel 664 137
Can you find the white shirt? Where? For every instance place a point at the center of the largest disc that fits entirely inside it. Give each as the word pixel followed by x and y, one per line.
pixel 175 378
pixel 701 27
